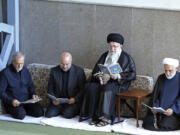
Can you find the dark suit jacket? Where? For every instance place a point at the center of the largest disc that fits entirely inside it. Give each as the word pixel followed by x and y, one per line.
pixel 128 66
pixel 75 83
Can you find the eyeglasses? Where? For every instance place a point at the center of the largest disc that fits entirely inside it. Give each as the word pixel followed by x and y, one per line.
pixel 114 46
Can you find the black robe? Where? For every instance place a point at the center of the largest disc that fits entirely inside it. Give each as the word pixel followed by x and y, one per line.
pixel 101 99
pixel 165 123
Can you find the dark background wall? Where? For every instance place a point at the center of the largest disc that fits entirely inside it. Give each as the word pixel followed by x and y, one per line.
pixel 49 28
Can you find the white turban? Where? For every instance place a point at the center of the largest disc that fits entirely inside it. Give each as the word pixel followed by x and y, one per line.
pixel 171 61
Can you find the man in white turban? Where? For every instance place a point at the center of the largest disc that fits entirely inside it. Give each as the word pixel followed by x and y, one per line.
pixel 166 94
pixel 174 63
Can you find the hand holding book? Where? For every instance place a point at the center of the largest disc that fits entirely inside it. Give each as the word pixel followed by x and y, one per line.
pixel 156 109
pixel 31 101
pixel 107 72
pixel 112 69
pixel 168 112
pixel 61 100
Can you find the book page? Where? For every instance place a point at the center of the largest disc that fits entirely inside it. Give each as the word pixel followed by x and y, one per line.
pixel 103 69
pixel 52 97
pixel 31 101
pixel 61 100
pixel 157 109
pixel 115 69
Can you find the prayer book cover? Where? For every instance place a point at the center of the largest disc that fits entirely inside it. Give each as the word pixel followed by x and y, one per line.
pixel 61 100
pixel 112 69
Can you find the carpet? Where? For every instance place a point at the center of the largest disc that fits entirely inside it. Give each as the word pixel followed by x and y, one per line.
pixel 126 127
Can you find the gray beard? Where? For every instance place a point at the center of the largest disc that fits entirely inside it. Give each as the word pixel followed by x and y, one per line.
pixel 115 53
pixel 170 77
pixel 19 69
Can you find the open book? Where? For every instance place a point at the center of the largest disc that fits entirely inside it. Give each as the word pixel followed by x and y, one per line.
pixel 112 69
pixel 61 100
pixel 157 109
pixel 31 101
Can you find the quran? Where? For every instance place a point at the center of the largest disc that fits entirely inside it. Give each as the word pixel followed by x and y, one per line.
pixel 31 101
pixel 157 109
pixel 111 69
pixel 61 100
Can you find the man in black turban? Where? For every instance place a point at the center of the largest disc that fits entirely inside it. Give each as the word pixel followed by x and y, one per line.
pixel 100 97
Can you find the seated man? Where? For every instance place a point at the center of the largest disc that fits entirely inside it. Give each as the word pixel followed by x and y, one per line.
pixel 166 94
pixel 16 86
pixel 66 81
pixel 100 95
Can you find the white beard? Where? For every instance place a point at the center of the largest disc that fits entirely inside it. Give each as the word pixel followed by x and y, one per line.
pixel 115 53
pixel 170 77
pixel 19 69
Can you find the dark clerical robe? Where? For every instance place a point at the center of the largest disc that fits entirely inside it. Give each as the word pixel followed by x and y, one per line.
pixel 100 100
pixel 166 94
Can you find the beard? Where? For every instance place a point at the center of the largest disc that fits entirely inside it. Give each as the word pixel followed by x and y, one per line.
pixel 170 77
pixel 115 53
pixel 19 69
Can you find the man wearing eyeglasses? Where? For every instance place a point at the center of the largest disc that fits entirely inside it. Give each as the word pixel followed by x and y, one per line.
pixel 16 86
pixel 166 95
pixel 100 96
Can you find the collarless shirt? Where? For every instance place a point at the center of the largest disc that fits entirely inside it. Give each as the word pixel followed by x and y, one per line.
pixel 15 85
pixel 169 92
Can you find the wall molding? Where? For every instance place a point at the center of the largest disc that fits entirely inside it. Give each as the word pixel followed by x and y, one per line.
pixel 173 5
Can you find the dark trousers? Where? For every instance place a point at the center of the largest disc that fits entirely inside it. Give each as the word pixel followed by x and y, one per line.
pixel 164 123
pixel 21 111
pixel 66 110
pixel 99 100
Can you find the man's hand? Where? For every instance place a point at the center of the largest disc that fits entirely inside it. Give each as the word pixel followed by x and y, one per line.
pixel 71 100
pixel 35 97
pixel 56 102
pixel 101 80
pixel 114 76
pixel 168 112
pixel 15 103
pixel 154 112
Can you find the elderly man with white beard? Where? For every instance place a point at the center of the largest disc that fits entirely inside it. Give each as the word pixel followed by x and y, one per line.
pixel 100 97
pixel 166 94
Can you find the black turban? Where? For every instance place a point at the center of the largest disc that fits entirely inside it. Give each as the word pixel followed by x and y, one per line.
pixel 115 37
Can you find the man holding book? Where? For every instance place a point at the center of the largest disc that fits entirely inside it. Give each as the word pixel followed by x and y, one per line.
pixel 165 112
pixel 100 94
pixel 65 88
pixel 16 88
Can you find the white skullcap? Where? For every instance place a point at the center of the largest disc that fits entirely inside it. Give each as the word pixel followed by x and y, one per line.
pixel 171 61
